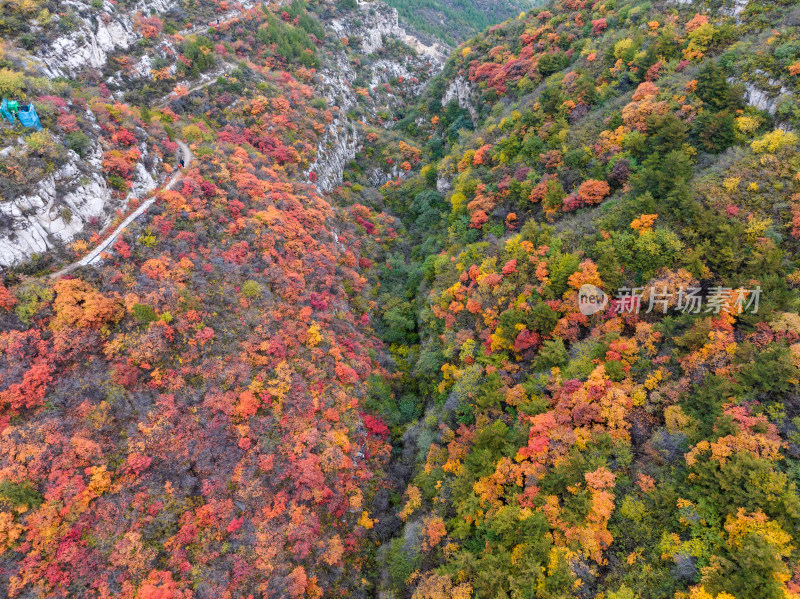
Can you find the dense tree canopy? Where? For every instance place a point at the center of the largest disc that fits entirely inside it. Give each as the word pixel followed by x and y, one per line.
pixel 395 388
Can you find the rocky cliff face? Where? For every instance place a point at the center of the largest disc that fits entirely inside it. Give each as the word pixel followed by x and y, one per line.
pixel 370 26
pixel 462 90
pixel 765 92
pixel 62 205
pixel 99 32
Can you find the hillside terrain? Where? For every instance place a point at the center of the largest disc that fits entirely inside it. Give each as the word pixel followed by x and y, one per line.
pixel 517 322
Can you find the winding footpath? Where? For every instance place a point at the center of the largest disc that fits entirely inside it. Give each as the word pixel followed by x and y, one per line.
pixel 218 20
pixel 205 80
pixel 105 243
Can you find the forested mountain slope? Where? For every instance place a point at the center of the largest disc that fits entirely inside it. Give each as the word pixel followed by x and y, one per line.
pixel 185 418
pixel 521 325
pixel 100 76
pixel 649 150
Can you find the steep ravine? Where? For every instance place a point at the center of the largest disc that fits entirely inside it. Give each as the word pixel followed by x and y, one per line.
pixel 373 24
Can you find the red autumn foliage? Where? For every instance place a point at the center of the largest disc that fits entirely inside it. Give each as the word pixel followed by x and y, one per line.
pixel 598 26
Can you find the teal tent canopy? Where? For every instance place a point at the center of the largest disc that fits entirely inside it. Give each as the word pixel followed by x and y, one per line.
pixel 5 110
pixel 28 117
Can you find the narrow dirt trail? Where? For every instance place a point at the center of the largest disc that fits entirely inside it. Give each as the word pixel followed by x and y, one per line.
pixel 103 245
pixel 218 20
pixel 205 80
